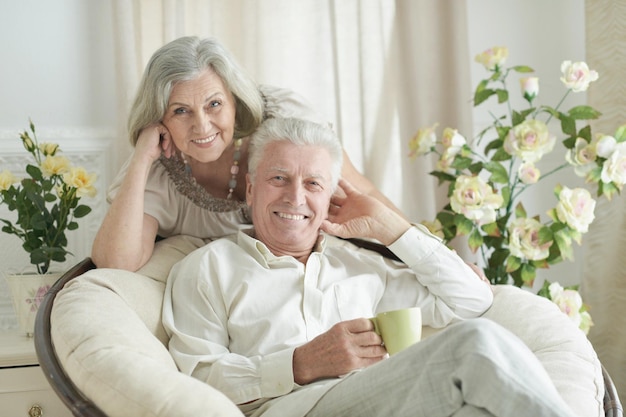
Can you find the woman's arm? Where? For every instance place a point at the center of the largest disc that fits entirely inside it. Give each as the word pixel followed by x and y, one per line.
pixel 126 237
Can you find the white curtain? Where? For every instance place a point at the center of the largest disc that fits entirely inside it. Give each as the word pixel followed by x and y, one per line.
pixel 377 69
pixel 604 279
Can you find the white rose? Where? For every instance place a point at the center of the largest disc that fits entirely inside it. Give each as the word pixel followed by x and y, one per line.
pixel 529 140
pixel 614 168
pixel 493 57
pixel 582 156
pixel 604 145
pixel 423 141
pixel 474 198
pixel 577 76
pixel 524 240
pixel 528 173
pixel 575 208
pixel 452 141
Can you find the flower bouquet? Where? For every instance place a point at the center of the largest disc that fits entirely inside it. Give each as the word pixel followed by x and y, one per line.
pixel 46 201
pixel 487 176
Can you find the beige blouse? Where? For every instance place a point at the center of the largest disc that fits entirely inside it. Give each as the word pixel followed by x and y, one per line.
pixel 181 206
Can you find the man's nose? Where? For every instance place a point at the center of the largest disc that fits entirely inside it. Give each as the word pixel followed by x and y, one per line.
pixel 295 194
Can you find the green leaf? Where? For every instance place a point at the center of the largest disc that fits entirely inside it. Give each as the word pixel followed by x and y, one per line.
pixel 568 125
pixel 482 95
pixel 505 192
pixel 494 144
pixel 34 172
pixel 503 95
pixel 585 133
pixel 522 68
pixel 475 168
pixel 529 273
pixel 460 163
pixel 584 112
pixel 463 225
pixel 443 176
pixel 564 244
pixel 501 155
pixel 475 240
pixel 499 173
pixel 81 211
pixel 620 134
pixel 513 263
pixel 491 229
pixel 545 235
pixel 520 211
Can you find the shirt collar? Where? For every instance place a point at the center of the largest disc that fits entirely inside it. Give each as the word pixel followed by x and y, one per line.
pixel 258 249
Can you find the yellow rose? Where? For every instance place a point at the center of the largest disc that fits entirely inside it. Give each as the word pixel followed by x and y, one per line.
pixel 7 179
pixel 55 165
pixel 81 180
pixel 48 149
pixel 493 58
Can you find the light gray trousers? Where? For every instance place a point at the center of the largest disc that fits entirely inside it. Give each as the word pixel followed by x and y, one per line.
pixel 473 368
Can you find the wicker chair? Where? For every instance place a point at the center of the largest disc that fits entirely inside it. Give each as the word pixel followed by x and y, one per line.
pixel 81 406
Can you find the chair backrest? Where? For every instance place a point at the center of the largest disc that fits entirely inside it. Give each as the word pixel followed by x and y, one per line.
pixel 78 404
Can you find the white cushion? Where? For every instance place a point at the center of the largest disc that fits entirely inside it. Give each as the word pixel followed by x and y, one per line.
pixel 562 348
pixel 104 325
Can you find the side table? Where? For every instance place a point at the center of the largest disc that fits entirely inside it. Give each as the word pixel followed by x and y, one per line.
pixel 24 390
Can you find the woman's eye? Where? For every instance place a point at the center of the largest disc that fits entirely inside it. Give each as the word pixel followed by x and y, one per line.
pixel 180 111
pixel 215 103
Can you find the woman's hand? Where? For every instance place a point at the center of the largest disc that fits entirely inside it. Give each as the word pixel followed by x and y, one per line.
pixel 153 141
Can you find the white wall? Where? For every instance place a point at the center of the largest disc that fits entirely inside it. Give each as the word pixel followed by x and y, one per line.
pixel 58 69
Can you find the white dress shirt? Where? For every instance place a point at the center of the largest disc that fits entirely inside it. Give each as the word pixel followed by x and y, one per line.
pixel 236 313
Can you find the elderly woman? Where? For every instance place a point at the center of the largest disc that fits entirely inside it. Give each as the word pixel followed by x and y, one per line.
pixel 189 124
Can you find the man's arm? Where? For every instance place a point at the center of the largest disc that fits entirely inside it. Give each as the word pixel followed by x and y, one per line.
pixel 452 289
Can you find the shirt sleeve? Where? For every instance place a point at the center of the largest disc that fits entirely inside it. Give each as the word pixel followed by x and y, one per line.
pixel 195 317
pixel 453 291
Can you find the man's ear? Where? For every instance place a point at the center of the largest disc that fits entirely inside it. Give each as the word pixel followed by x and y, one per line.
pixel 248 190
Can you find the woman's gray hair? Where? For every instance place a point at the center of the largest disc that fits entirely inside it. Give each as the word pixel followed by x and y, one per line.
pixel 185 59
pixel 299 132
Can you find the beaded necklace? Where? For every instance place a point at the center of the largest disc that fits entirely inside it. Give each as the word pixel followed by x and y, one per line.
pixel 234 168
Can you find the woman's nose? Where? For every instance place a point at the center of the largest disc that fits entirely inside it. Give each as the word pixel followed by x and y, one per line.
pixel 202 122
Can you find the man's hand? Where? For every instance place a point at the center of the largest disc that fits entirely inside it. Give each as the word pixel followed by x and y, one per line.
pixel 362 216
pixel 347 346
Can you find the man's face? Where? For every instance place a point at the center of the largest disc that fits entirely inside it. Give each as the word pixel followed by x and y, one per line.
pixel 290 197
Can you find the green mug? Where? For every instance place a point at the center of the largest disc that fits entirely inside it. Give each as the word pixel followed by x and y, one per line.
pixel 399 329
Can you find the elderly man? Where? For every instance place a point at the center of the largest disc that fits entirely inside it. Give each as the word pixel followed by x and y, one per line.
pixel 276 316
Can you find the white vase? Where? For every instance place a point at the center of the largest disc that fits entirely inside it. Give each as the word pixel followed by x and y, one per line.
pixel 27 292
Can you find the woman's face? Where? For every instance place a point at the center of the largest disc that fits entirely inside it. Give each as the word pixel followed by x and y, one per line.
pixel 200 116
